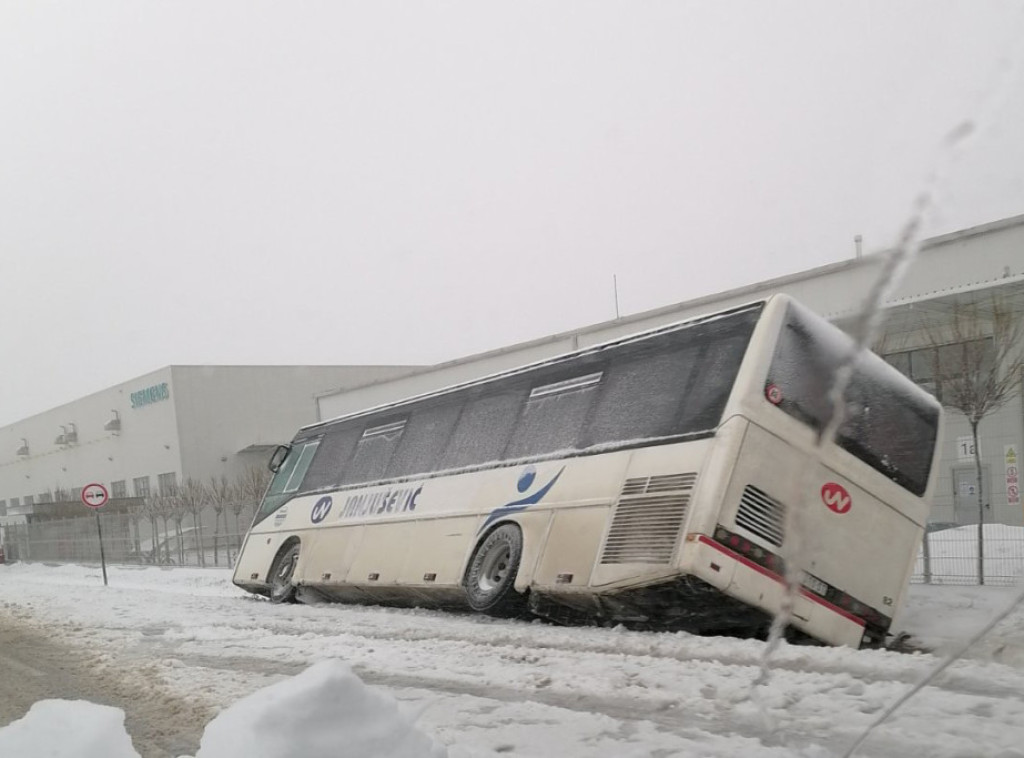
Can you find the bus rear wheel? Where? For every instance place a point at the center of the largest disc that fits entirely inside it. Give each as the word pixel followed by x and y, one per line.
pixel 282 589
pixel 491 577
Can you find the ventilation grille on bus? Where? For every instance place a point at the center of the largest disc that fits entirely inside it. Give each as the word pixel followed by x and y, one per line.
pixel 761 514
pixel 648 519
pixel 658 484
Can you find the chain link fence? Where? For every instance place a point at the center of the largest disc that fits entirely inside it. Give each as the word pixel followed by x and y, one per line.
pixel 206 538
pixel 213 538
pixel 950 556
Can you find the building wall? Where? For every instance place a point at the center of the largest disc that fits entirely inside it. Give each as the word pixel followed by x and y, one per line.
pixel 146 444
pixel 1002 429
pixel 418 382
pixel 180 420
pixel 984 256
pixel 224 410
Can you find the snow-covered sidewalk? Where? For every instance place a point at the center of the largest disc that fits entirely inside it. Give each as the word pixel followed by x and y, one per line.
pixel 484 687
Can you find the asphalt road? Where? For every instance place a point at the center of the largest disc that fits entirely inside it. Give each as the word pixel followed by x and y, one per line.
pixel 35 666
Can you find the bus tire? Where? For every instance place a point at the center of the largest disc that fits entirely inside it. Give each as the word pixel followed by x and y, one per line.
pixel 282 588
pixel 491 576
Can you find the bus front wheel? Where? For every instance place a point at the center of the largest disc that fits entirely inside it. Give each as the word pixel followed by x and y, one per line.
pixel 282 589
pixel 490 580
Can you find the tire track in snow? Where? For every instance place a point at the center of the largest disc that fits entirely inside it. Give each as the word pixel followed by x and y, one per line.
pixel 513 637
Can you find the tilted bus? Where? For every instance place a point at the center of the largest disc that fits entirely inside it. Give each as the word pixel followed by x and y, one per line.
pixel 644 481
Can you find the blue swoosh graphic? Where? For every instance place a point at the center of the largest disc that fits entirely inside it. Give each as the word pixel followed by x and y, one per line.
pixel 519 505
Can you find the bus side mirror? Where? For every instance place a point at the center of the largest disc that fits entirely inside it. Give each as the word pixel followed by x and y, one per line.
pixel 278 458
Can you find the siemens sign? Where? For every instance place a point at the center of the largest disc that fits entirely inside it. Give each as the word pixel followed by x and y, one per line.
pixel 153 394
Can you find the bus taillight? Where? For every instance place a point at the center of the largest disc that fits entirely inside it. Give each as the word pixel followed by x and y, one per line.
pixel 774 566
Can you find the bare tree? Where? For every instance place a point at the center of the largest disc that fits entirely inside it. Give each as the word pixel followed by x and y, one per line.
pixel 135 514
pixel 250 486
pixel 173 509
pixel 154 509
pixel 977 360
pixel 221 494
pixel 193 496
pixel 150 510
pixel 163 507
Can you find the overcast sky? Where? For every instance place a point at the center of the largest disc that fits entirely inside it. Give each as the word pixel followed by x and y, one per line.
pixel 385 182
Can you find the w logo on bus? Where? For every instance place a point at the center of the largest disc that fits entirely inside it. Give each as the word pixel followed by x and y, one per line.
pixel 321 509
pixel 836 497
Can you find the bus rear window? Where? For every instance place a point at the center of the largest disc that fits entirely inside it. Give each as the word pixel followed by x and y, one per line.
pixel 889 423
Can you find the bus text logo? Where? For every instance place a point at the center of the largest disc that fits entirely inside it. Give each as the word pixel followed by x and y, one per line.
pixel 321 509
pixel 398 500
pixel 836 497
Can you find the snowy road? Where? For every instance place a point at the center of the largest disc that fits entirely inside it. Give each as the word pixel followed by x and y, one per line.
pixel 186 643
pixel 36 664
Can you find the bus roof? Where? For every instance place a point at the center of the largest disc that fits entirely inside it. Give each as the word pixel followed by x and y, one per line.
pixel 555 359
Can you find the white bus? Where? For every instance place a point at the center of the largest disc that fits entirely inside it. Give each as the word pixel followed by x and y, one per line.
pixel 642 481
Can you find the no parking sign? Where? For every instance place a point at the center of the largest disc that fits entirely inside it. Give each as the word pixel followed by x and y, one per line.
pixel 95 496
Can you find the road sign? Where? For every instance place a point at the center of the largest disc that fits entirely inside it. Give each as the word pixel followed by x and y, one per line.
pixel 1012 474
pixel 95 495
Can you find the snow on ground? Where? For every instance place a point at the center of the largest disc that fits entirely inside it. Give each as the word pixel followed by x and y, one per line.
pixel 68 729
pixel 483 687
pixel 327 706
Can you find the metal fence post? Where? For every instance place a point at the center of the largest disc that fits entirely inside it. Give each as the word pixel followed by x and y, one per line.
pixel 926 554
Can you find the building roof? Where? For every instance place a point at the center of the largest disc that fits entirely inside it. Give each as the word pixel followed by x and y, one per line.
pixel 760 290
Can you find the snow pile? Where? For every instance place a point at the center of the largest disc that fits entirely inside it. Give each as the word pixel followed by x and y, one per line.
pixel 953 555
pixel 68 729
pixel 316 714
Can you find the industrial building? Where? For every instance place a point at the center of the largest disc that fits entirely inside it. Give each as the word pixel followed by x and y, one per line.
pixel 146 435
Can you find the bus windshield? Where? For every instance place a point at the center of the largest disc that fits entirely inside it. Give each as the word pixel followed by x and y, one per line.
pixel 287 478
pixel 888 424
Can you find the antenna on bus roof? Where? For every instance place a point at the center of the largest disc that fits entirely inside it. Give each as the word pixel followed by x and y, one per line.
pixel 857 240
pixel 615 288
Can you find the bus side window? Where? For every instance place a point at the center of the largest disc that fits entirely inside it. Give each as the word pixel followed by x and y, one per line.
pixel 331 458
pixel 709 392
pixel 373 452
pixel 640 398
pixel 483 429
pixel 423 440
pixel 553 416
